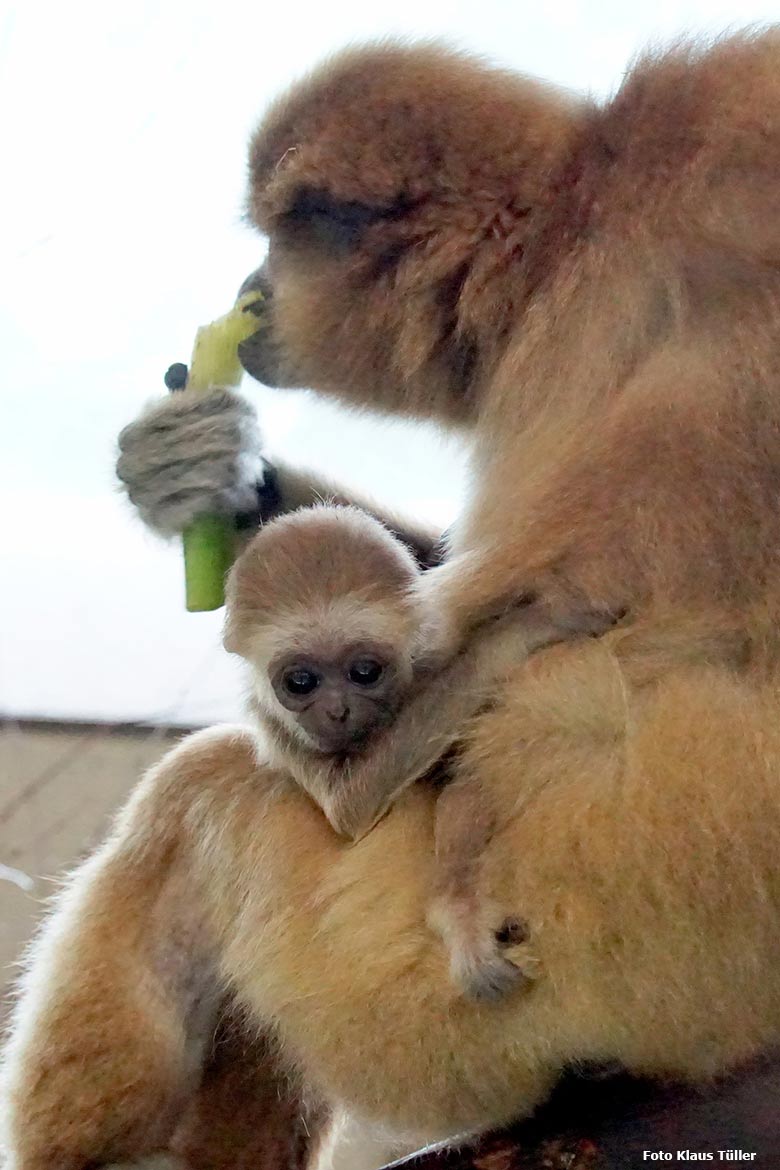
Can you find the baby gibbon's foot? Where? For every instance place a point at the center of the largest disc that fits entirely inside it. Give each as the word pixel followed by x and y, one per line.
pixel 486 975
pixel 478 966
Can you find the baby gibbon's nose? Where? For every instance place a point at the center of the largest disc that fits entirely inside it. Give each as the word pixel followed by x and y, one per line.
pixel 337 712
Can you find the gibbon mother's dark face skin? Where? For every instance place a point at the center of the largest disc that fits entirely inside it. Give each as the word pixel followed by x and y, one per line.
pixel 399 190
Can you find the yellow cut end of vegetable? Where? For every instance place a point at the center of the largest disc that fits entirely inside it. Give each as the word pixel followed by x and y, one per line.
pixel 215 353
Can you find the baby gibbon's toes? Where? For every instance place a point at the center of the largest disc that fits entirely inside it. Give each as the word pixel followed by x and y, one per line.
pixel 512 932
pixel 488 979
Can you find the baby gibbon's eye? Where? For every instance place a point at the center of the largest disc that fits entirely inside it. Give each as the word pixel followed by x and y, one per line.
pixel 299 681
pixel 365 672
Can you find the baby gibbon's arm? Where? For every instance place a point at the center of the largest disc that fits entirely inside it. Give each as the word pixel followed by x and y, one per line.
pixel 357 794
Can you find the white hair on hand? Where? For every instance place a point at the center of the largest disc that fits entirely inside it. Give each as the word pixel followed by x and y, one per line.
pixel 191 454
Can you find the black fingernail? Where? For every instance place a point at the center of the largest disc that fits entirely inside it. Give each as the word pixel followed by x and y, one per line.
pixel 176 376
pixel 513 931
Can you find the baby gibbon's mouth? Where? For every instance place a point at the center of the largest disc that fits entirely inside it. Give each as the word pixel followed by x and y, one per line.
pixel 342 746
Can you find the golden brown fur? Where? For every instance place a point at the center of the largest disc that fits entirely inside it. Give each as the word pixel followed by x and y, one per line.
pixel 313 590
pixel 594 291
pixel 642 844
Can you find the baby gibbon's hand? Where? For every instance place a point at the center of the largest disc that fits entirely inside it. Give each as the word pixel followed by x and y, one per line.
pixel 504 642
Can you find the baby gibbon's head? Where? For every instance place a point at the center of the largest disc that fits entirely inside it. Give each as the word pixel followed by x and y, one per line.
pixel 320 605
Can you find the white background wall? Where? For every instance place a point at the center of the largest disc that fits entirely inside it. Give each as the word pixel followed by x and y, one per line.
pixel 122 140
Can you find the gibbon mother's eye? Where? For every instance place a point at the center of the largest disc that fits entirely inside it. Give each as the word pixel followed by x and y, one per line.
pixel 300 681
pixel 365 672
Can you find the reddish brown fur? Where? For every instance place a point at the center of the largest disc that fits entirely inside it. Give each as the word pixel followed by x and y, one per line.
pixel 247 1115
pixel 613 271
pixel 416 138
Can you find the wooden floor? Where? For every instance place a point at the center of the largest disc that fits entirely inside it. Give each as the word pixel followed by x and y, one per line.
pixel 59 786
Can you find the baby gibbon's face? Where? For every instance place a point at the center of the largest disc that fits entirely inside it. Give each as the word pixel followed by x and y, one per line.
pixel 339 699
